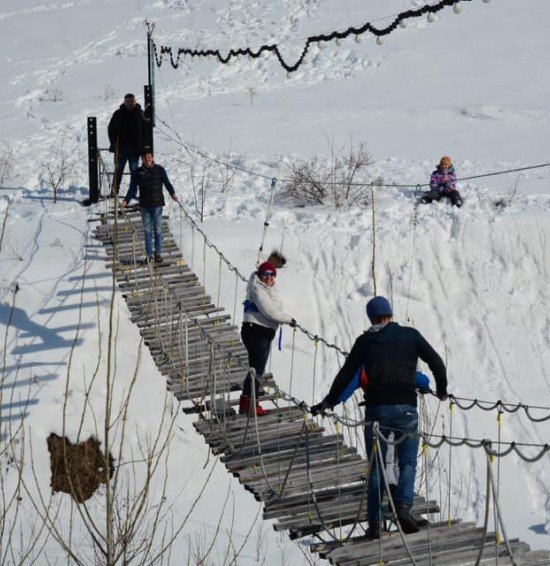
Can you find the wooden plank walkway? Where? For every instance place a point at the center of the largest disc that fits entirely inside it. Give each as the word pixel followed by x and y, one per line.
pixel 311 483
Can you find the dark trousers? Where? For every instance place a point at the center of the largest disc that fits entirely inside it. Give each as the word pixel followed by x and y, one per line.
pixel 125 154
pixel 257 341
pixel 454 196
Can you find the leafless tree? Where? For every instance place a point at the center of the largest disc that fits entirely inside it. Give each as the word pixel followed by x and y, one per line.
pixel 21 537
pixel 341 179
pixel 7 165
pixel 58 166
pixel 200 171
pixel 226 172
pixel 130 519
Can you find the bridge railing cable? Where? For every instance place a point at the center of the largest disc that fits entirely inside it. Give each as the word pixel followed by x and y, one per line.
pixel 174 136
pixel 461 402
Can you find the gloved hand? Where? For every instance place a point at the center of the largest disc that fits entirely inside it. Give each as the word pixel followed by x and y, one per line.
pixel 293 323
pixel 442 395
pixel 320 409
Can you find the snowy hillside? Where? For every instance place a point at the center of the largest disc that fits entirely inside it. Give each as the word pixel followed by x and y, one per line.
pixel 474 280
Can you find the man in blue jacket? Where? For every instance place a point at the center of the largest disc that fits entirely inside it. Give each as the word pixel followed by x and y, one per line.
pixel 389 354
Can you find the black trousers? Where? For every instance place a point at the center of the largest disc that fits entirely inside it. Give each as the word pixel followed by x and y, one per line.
pixel 454 196
pixel 257 341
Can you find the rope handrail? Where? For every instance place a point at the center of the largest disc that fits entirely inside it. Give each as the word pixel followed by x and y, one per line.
pixel 454 441
pixel 484 443
pixel 506 406
pixel 492 405
pixel 461 402
pixel 313 337
pixel 204 154
pixel 502 406
pixel 229 358
pixel 273 48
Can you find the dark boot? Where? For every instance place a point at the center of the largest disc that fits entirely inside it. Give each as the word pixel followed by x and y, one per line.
pixel 158 258
pixel 373 532
pixel 244 405
pixel 419 520
pixel 406 520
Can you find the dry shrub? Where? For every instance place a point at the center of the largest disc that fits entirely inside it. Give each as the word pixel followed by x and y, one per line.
pixel 7 165
pixel 77 469
pixel 341 180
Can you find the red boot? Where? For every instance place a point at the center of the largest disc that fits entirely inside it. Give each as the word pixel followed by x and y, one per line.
pixel 260 411
pixel 244 405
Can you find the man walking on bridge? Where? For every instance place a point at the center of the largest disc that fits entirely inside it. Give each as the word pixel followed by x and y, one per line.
pixel 149 179
pixel 126 137
pixel 389 354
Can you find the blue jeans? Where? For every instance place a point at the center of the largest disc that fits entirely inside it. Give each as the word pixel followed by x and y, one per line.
pixel 152 222
pixel 400 419
pixel 125 154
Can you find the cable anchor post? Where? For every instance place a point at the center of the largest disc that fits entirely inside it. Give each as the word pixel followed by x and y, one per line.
pixel 266 221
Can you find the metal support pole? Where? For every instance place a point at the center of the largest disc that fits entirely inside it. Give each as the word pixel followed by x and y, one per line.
pixel 149 115
pixel 149 91
pixel 93 165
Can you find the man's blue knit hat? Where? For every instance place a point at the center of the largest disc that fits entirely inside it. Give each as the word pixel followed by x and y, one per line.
pixel 378 306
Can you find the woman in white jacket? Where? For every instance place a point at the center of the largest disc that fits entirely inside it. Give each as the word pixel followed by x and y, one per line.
pixel 263 312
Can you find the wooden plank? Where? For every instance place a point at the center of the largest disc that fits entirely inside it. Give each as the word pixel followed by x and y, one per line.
pixel 391 548
pixel 144 317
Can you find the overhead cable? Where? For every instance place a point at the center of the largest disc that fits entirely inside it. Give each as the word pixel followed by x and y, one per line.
pixel 273 48
pixel 191 148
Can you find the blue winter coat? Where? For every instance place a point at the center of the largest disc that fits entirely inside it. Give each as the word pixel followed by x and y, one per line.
pixel 360 379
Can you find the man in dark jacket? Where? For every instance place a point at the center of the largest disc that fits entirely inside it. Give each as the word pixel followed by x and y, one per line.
pixel 126 137
pixel 149 179
pixel 389 353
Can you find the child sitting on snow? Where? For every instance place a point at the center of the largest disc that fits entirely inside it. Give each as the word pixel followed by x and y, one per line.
pixel 443 184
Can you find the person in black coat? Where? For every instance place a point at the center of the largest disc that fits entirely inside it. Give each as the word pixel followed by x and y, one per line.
pixel 126 137
pixel 389 354
pixel 150 178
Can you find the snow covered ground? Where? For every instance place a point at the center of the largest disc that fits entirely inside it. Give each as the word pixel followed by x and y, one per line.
pixel 475 282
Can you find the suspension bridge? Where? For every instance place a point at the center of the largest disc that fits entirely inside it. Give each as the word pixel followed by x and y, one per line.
pixel 311 483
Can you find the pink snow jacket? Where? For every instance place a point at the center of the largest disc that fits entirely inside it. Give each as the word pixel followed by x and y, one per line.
pixel 444 183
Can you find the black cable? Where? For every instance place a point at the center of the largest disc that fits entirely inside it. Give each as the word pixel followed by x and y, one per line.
pixel 273 48
pixel 193 149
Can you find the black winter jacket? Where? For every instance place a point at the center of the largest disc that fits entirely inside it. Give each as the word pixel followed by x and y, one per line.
pixel 149 181
pixel 389 356
pixel 126 129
